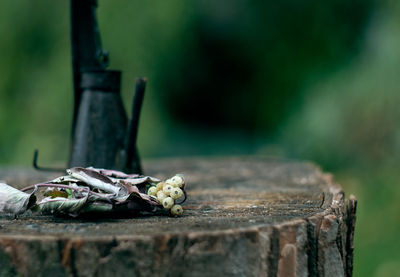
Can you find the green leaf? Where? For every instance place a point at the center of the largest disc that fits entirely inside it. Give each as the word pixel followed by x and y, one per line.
pixel 69 193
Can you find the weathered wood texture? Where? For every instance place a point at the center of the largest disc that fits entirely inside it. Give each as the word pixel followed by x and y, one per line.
pixel 244 217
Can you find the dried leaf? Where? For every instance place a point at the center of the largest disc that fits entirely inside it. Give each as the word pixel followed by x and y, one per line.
pixel 97 207
pixel 150 200
pixel 128 188
pixel 93 179
pixel 83 191
pixel 13 201
pixel 64 180
pixel 60 205
pixel 141 180
pixel 113 173
pixel 86 190
pixel 138 202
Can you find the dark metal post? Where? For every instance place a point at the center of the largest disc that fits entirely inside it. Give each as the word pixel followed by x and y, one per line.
pixel 132 163
pixel 87 54
pixel 99 132
pixel 101 121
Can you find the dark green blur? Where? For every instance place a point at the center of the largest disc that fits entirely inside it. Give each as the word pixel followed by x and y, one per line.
pixel 314 80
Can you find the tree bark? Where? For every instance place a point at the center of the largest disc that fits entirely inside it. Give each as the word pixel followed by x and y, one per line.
pixel 244 216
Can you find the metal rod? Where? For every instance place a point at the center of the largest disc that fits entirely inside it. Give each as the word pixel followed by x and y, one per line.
pixel 37 167
pixel 132 156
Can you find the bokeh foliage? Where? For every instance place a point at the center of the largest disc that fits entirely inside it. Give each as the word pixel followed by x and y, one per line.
pixel 304 79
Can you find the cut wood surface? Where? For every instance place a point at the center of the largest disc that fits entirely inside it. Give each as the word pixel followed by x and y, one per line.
pixel 244 216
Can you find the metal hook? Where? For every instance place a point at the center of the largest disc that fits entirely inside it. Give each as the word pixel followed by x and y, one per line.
pixel 35 165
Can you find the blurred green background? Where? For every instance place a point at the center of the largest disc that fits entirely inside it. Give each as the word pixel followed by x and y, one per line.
pixel 315 80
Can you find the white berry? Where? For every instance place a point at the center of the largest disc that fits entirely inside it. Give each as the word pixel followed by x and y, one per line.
pixel 177 210
pixel 167 189
pixel 168 203
pixel 161 196
pixel 176 181
pixel 152 191
pixel 160 186
pixel 176 193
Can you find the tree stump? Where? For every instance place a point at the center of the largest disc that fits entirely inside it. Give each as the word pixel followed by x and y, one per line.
pixel 244 216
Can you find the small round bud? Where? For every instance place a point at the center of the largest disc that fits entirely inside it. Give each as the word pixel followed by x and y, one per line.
pixel 161 196
pixel 160 186
pixel 152 191
pixel 176 193
pixel 177 210
pixel 168 203
pixel 176 181
pixel 167 189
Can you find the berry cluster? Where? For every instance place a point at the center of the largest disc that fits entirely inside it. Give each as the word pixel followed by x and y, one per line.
pixel 97 191
pixel 167 193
